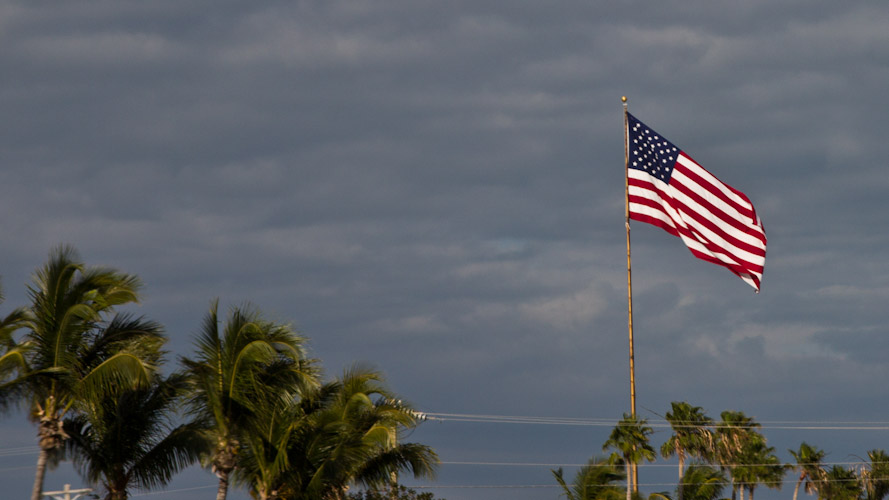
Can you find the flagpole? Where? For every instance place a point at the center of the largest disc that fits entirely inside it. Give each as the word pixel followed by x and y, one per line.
pixel 634 471
pixel 629 266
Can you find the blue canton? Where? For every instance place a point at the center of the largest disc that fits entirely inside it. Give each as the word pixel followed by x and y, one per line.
pixel 649 151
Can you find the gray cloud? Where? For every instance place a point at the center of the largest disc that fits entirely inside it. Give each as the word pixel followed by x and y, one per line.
pixel 437 188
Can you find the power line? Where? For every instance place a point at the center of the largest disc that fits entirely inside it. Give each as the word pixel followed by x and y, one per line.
pixel 649 465
pixel 658 423
pixel 17 468
pixel 154 493
pixel 519 486
pixel 25 450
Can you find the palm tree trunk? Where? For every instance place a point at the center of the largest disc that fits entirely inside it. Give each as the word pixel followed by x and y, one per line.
pixel 224 464
pixel 50 436
pixel 681 470
pixel 222 491
pixel 796 489
pixel 629 469
pixel 42 459
pixel 117 495
pixel 635 478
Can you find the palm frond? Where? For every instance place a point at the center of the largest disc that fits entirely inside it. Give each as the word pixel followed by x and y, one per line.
pixel 181 448
pixel 119 371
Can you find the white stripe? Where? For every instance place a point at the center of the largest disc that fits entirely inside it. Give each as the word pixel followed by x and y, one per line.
pixel 712 180
pixel 709 235
pixel 743 220
pixel 674 219
pixel 694 244
pixel 714 200
pixel 728 228
pixel 651 212
pixel 689 222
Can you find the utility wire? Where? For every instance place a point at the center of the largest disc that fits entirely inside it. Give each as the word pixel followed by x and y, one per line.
pixel 510 486
pixel 659 423
pixel 154 493
pixel 650 465
pixel 25 450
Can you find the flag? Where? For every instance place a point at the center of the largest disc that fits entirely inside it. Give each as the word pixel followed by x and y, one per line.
pixel 665 187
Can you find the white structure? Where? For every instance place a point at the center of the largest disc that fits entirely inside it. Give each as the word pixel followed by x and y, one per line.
pixel 67 492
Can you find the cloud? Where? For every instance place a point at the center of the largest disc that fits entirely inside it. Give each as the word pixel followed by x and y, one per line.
pixel 437 188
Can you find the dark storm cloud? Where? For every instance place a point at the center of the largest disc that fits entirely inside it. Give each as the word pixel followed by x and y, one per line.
pixel 436 187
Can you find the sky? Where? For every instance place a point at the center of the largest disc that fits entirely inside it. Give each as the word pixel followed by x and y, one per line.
pixel 436 188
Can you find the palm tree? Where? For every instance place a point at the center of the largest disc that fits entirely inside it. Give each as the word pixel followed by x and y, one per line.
pixel 757 464
pixel 365 424
pixel 733 432
pixel 262 460
pixel 236 373
pixel 13 364
pixel 630 438
pixel 875 475
pixel 808 462
pixel 702 482
pixel 73 351
pixel 840 483
pixel 594 481
pixel 128 440
pixel 343 433
pixel 691 436
pixel 400 493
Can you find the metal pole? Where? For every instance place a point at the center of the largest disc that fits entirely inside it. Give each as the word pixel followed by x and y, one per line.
pixel 629 266
pixel 634 471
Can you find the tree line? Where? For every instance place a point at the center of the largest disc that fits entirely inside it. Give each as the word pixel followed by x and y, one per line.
pixel 730 453
pixel 247 403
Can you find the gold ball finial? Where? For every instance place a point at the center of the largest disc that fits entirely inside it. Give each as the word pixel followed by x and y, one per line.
pixel 623 99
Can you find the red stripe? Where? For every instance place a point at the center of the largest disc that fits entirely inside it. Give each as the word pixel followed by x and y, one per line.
pixel 694 214
pixel 655 222
pixel 738 270
pixel 715 248
pixel 742 267
pixel 722 216
pixel 708 206
pixel 745 210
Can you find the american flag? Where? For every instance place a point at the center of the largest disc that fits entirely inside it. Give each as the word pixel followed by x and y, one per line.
pixel 665 187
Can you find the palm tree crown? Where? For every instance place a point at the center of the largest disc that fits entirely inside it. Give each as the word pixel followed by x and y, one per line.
pixel 594 481
pixel 734 431
pixel 808 461
pixel 840 483
pixel 249 365
pixel 691 436
pixel 128 440
pixel 75 348
pixel 630 438
pixel 702 482
pixel 758 464
pixel 342 433
pixel 13 364
pixel 875 475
